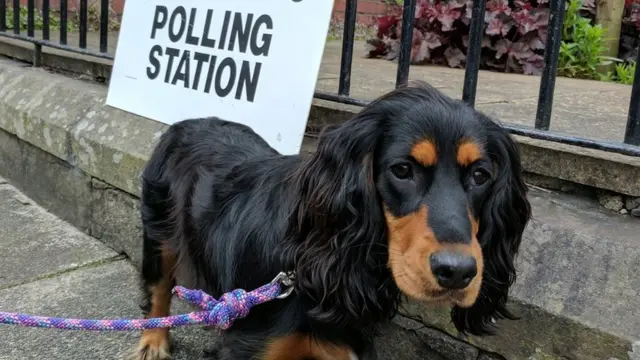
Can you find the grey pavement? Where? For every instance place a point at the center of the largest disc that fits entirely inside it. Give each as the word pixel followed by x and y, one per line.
pixel 591 109
pixel 28 235
pixel 49 268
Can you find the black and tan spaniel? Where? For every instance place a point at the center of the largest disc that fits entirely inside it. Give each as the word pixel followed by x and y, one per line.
pixel 417 195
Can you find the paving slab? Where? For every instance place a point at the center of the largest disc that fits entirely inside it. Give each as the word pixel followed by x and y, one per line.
pixel 35 244
pixel 577 290
pixel 105 291
pixel 596 263
pixel 586 108
pixel 593 114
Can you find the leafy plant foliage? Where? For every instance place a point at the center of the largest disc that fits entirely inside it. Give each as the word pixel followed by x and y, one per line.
pixel 514 39
pixel 632 13
pixel 93 19
pixel 582 46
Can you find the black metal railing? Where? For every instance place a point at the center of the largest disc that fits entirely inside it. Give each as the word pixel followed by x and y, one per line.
pixel 630 146
pixel 45 39
pixel 631 143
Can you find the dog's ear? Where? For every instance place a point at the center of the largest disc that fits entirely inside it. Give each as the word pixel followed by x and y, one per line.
pixel 340 172
pixel 504 216
pixel 339 225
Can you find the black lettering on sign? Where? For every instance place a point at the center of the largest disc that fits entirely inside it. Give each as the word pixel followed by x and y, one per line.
pixel 248 83
pixel 225 27
pixel 200 58
pixel 221 90
pixel 182 72
pixel 179 15
pixel 157 22
pixel 212 66
pixel 221 73
pixel 263 48
pixel 240 32
pixel 206 41
pixel 193 40
pixel 172 54
pixel 153 59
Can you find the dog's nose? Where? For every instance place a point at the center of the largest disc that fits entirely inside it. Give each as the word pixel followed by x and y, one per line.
pixel 453 270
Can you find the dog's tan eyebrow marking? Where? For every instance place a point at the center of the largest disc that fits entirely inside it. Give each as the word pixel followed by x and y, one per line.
pixel 468 152
pixel 425 153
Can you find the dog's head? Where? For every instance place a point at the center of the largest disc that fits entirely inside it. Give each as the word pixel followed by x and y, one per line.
pixel 420 186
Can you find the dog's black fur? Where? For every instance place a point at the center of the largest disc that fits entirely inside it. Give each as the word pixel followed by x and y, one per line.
pixel 235 213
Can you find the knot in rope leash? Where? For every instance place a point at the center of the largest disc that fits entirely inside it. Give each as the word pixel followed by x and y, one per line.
pixel 218 313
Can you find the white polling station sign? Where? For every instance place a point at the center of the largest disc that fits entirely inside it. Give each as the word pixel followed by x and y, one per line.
pixel 254 62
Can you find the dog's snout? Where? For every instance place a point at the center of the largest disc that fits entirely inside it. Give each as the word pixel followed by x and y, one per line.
pixel 453 270
pixel 451 226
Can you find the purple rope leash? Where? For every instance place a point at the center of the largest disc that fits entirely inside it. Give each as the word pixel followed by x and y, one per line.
pixel 218 313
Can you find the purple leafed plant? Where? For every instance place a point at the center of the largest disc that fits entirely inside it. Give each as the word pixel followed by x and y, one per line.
pixel 514 37
pixel 632 13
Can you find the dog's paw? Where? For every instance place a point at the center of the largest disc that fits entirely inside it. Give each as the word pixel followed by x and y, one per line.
pixel 151 348
pixel 211 354
pixel 213 351
pixel 149 353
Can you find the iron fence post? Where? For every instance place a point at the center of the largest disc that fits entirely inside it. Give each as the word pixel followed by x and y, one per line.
pixel 406 38
pixel 551 55
pixel 474 51
pixel 348 36
pixel 632 132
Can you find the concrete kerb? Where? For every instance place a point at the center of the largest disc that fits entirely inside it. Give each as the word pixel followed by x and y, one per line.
pixel 107 148
pixel 69 120
pixel 566 308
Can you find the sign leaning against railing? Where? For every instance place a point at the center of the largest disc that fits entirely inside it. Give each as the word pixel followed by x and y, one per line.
pixel 230 59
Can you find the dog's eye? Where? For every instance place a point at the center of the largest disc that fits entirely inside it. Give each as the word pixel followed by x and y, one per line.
pixel 480 177
pixel 402 171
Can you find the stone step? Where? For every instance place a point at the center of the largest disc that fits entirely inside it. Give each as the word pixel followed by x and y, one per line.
pixel 578 287
pixel 36 244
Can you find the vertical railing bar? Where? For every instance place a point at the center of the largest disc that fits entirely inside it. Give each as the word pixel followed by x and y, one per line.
pixel 84 9
pixel 347 46
pixel 3 15
pixel 474 51
pixel 632 132
pixel 551 54
pixel 404 56
pixel 45 20
pixel 31 18
pixel 104 25
pixel 16 16
pixel 63 22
